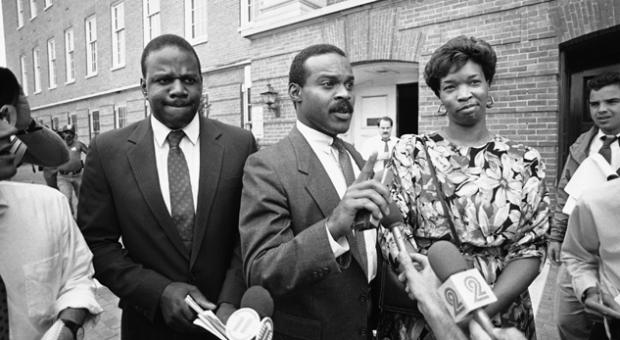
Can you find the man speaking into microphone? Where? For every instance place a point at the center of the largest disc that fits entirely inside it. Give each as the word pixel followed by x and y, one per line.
pixel 299 202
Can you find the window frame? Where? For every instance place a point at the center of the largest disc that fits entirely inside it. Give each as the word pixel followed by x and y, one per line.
pixel 69 55
pixel 48 4
pixel 117 11
pixel 151 19
pixel 51 63
pixel 191 26
pixel 90 38
pixel 34 9
pixel 20 13
pixel 36 69
pixel 24 74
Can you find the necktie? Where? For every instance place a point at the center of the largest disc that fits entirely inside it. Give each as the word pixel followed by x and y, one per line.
pixel 605 150
pixel 386 150
pixel 181 200
pixel 356 241
pixel 4 313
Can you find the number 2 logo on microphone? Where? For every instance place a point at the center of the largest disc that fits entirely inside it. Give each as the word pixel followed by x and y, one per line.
pixel 472 284
pixel 452 298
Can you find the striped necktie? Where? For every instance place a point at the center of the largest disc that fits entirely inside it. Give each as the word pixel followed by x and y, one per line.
pixel 356 241
pixel 605 150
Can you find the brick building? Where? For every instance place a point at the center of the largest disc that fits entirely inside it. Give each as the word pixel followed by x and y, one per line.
pixel 546 50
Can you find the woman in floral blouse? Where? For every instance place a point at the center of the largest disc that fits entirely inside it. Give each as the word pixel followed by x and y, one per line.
pixel 494 189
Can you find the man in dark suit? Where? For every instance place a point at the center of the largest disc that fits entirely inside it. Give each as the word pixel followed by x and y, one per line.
pixel 169 187
pixel 299 201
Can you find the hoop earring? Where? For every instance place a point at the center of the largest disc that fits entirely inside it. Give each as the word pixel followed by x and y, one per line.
pixel 441 110
pixel 490 103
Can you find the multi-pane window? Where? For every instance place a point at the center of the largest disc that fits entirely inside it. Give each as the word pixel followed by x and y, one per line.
pixel 118 35
pixel 73 121
pixel 94 123
pixel 36 67
pixel 48 3
pixel 69 56
pixel 152 21
pixel 196 21
pixel 33 9
pixel 56 123
pixel 51 62
pixel 121 117
pixel 24 73
pixel 91 45
pixel 20 13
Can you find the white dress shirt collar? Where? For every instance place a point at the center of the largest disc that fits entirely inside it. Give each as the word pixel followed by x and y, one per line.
pixel 316 139
pixel 161 131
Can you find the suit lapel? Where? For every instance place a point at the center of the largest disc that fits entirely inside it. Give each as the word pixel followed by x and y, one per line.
pixel 211 159
pixel 318 185
pixel 141 159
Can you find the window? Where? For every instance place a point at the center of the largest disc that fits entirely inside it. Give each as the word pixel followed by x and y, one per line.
pixel 152 25
pixel 94 123
pixel 33 9
pixel 120 119
pixel 51 63
pixel 22 67
pixel 69 56
pixel 20 13
pixel 36 67
pixel 48 3
pixel 196 21
pixel 73 121
pixel 118 35
pixel 55 123
pixel 91 46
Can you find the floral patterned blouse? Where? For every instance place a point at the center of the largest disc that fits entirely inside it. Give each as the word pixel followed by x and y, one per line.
pixel 497 201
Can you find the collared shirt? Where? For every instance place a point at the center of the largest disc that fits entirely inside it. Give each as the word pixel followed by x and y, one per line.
pixel 596 144
pixel 44 260
pixel 377 144
pixel 321 143
pixel 591 248
pixel 190 145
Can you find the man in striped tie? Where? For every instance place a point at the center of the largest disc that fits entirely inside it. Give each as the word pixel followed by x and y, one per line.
pixel 604 102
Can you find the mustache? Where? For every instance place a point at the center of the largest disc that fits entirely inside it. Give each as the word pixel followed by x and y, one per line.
pixel 342 106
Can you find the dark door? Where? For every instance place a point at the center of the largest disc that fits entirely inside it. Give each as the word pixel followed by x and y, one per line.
pixel 406 108
pixel 580 60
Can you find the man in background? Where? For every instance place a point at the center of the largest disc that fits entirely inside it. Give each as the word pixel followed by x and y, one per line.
pixel 573 322
pixel 69 175
pixel 383 143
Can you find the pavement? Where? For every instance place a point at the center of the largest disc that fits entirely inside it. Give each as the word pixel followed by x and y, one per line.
pixel 108 325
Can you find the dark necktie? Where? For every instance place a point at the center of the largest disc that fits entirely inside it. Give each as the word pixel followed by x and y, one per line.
pixel 356 241
pixel 181 200
pixel 4 313
pixel 386 150
pixel 605 150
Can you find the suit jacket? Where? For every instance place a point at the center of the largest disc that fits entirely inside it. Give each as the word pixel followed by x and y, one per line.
pixel 286 198
pixel 121 197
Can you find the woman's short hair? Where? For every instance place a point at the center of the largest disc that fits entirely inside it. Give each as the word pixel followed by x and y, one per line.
pixel 456 53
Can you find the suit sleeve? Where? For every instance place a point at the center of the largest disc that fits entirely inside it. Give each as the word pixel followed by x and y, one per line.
pixel 274 256
pixel 98 220
pixel 234 283
pixel 560 219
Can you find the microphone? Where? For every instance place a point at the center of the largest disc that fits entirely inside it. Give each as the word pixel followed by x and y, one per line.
pixel 246 323
pixel 393 221
pixel 464 290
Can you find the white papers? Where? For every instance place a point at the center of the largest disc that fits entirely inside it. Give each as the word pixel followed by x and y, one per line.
pixel 591 173
pixel 207 319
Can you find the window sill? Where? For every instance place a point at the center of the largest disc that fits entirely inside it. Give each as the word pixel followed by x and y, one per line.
pixel 52 87
pixel 250 29
pixel 116 68
pixel 69 82
pixel 48 7
pixel 198 41
pixel 88 76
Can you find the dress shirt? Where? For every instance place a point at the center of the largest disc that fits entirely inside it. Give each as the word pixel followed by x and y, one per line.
pixel 191 150
pixel 591 248
pixel 615 148
pixel 376 144
pixel 320 143
pixel 44 260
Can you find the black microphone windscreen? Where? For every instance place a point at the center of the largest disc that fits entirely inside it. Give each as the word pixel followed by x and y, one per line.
pixel 258 299
pixel 393 217
pixel 446 259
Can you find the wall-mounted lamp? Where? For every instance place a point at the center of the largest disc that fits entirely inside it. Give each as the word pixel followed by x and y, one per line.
pixel 270 97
